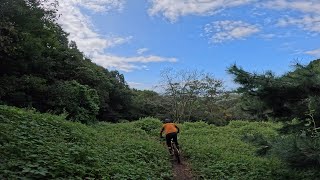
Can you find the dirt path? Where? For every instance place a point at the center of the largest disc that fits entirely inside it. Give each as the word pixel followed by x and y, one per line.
pixel 181 171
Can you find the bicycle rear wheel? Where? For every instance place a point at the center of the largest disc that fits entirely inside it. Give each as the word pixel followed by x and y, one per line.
pixel 176 152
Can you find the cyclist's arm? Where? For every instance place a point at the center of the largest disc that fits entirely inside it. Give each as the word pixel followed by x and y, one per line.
pixel 161 132
pixel 177 128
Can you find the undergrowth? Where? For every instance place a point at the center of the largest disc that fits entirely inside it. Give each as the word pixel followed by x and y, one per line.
pixel 44 146
pixel 232 152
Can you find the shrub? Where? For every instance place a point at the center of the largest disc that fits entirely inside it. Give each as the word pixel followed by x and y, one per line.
pixel 299 152
pixel 79 101
pixel 44 146
pixel 222 153
pixel 258 140
pixel 150 125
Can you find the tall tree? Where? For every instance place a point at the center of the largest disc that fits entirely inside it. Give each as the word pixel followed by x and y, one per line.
pixel 37 61
pixel 184 88
pixel 285 96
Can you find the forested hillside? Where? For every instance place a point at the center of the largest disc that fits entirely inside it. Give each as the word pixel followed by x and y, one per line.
pixel 41 69
pixel 63 116
pixel 292 95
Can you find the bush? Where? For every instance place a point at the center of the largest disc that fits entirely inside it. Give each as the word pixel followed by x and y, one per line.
pixel 298 152
pixel 150 125
pixel 222 153
pixel 44 146
pixel 217 121
pixel 258 140
pixel 79 101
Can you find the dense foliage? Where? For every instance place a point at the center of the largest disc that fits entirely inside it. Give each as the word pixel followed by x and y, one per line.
pixel 293 98
pixel 229 153
pixel 192 95
pixel 292 95
pixel 39 68
pixel 35 145
pixel 44 146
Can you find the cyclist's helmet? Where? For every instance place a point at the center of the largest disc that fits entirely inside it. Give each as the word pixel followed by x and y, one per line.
pixel 167 120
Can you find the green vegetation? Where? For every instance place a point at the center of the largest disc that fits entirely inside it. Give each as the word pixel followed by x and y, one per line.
pixel 292 95
pixel 227 153
pixel 34 145
pixel 45 146
pixel 41 70
pixel 294 99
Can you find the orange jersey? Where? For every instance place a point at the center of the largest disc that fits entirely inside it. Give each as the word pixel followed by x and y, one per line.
pixel 169 128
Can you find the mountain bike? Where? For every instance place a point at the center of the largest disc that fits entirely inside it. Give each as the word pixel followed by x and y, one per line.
pixel 175 150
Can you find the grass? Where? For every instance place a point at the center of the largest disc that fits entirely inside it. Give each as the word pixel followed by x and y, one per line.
pixel 44 146
pixel 222 153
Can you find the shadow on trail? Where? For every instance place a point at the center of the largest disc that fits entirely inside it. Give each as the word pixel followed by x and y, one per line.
pixel 181 171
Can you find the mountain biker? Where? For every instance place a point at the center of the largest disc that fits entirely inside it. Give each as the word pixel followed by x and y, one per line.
pixel 171 130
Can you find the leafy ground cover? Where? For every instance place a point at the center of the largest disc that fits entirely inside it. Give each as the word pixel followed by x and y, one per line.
pixel 229 152
pixel 44 146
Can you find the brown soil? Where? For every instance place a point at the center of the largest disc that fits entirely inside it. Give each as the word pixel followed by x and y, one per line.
pixel 181 171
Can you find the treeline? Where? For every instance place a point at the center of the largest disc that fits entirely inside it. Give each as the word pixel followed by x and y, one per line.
pixel 294 100
pixel 294 95
pixel 41 69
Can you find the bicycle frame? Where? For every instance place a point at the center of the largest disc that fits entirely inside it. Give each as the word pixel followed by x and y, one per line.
pixel 176 151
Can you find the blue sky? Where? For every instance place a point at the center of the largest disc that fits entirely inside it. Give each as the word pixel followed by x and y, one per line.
pixel 142 37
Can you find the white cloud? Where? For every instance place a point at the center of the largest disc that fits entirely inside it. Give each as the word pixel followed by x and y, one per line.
pixel 114 41
pixel 142 50
pixel 79 26
pixel 128 63
pixel 143 86
pixel 309 21
pixel 268 36
pixel 306 6
pixel 221 31
pixel 315 52
pixel 93 44
pixel 135 85
pixel 101 5
pixel 173 9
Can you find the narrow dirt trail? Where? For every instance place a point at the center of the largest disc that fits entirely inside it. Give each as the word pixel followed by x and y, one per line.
pixel 182 171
